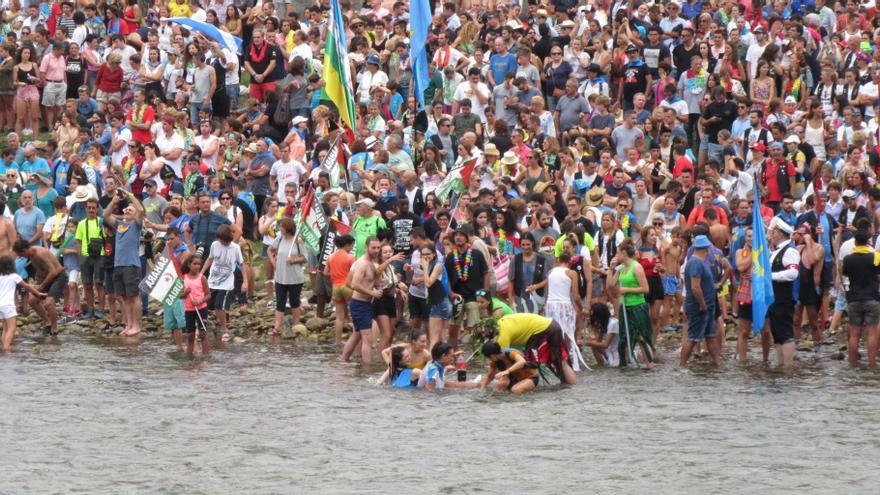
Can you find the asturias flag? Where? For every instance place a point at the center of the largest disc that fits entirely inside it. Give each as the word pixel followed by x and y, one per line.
pixel 762 278
pixel 337 74
pixel 420 23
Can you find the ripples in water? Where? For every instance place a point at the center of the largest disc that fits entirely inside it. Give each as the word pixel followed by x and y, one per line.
pixel 93 415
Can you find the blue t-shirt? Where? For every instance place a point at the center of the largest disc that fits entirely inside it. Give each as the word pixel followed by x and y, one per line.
pixel 500 65
pixel 128 239
pixel 698 268
pixel 88 108
pixel 26 222
pixel 4 166
pixel 35 166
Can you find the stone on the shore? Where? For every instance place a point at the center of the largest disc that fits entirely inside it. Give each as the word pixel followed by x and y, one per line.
pixel 315 324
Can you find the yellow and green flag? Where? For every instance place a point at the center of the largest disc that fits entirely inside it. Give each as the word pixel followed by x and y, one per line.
pixel 337 72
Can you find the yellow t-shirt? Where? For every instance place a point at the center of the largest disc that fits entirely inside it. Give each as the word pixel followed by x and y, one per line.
pixel 516 329
pixel 94 232
pixel 179 9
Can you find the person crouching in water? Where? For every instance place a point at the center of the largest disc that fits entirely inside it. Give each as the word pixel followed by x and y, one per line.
pixel 195 304
pixel 406 361
pixel 434 375
pixel 510 370
pixel 604 336
pixel 9 283
pixel 542 339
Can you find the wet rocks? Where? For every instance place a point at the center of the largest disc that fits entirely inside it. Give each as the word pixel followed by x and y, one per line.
pixel 316 324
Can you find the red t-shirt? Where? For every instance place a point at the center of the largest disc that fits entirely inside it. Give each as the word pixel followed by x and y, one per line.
pixel 683 163
pixel 698 213
pixel 142 135
pixel 770 179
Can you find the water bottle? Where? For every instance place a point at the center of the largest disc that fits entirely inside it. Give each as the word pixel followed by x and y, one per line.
pixel 461 368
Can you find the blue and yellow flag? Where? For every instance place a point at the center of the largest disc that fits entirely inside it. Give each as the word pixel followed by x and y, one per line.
pixel 420 23
pixel 762 281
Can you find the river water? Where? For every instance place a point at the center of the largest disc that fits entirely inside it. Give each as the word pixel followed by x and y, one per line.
pixel 90 415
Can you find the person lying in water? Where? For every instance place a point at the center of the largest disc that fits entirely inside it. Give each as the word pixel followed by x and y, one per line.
pixel 406 361
pixel 509 369
pixel 433 377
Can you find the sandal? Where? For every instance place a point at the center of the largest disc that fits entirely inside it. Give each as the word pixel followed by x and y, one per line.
pixel 225 337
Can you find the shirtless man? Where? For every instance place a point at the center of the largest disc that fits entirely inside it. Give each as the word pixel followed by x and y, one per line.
pixel 7 235
pixel 671 254
pixel 719 234
pixel 51 279
pixel 362 280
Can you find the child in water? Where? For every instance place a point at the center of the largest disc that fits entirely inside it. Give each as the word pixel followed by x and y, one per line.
pixel 434 375
pixel 195 304
pixel 9 283
pixel 69 254
pixel 604 335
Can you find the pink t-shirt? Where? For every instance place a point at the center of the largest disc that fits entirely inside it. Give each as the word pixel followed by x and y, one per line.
pixel 52 67
pixel 196 291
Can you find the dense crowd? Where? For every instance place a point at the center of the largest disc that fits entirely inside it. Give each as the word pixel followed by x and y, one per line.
pixel 608 157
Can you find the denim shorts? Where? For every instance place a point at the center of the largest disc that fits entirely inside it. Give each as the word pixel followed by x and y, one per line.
pixel 442 310
pixel 701 324
pixel 864 313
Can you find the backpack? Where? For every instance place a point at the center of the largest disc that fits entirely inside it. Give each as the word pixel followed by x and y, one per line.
pixel 281 115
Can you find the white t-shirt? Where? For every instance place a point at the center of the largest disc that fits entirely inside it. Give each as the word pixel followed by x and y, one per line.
pixel 846 249
pixel 612 358
pixel 165 144
pixel 286 173
pixel 752 55
pixel 117 156
pixel 680 106
pixel 221 276
pixel 8 283
pixel 125 52
pixel 464 90
pixel 202 143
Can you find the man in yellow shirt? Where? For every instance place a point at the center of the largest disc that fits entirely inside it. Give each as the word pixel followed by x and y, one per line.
pixel 179 8
pixel 542 340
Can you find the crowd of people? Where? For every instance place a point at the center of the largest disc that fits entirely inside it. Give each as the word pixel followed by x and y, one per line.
pixel 616 154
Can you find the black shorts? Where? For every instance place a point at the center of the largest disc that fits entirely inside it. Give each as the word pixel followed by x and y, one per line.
pixel 91 270
pixel 655 289
pixel 323 287
pixel 745 311
pixel 193 319
pixel 535 379
pixel 807 293
pixel 385 306
pixel 827 275
pixel 56 288
pixel 285 294
pixel 126 280
pixel 221 300
pixel 781 322
pixel 109 287
pixel 419 308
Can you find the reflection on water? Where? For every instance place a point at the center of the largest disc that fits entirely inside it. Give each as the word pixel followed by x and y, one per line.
pixel 94 415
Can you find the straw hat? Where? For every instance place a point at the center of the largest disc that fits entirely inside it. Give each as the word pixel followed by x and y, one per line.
pixel 540 187
pixel 491 150
pixel 510 158
pixel 595 196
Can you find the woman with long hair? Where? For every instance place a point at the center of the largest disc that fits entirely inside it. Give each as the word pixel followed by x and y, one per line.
pixel 608 240
pixel 406 361
pixel 815 129
pixel 563 305
pixel 25 75
pixel 153 72
pixel 762 89
pixel 649 258
pixel 437 283
pixel 628 281
pixel 743 262
pixel 267 226
pixel 506 235
pixel 604 336
pixel 7 89
pixel 385 307
pixel 233 23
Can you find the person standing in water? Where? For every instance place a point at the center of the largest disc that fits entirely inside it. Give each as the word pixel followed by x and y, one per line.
pixel 699 303
pixel 195 304
pixel 51 279
pixel 9 283
pixel 629 282
pixel 223 257
pixel 784 261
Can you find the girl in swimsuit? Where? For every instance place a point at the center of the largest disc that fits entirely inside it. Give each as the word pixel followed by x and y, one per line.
pixel 406 361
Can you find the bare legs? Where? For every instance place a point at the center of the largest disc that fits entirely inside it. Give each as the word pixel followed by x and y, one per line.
pixel 364 338
pixel 8 333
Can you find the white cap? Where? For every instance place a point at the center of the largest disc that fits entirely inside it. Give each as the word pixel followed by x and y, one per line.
pixel 792 139
pixel 849 194
pixel 779 224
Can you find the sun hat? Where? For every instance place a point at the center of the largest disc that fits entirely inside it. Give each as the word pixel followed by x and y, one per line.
pixel 510 158
pixel 595 196
pixel 701 242
pixel 491 149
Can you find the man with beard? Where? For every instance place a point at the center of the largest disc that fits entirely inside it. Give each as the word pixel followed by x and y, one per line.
pixel 468 272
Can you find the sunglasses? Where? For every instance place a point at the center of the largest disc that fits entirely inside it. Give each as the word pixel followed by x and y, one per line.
pixel 427 253
pixel 224 198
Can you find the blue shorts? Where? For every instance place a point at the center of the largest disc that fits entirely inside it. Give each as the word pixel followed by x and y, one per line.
pixel 671 285
pixel 701 324
pixel 442 310
pixel 173 316
pixel 361 314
